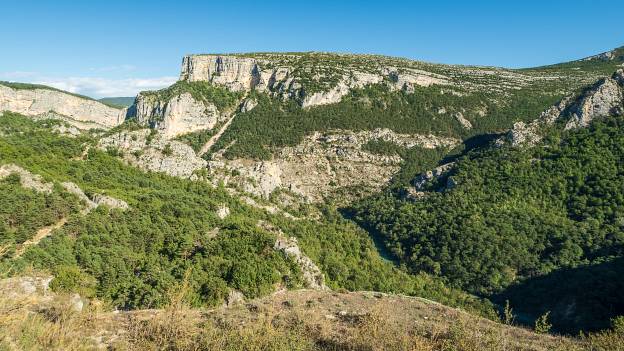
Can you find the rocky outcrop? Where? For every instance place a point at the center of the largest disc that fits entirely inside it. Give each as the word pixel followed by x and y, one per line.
pixel 66 130
pixel 462 120
pixel 24 287
pixel 27 180
pixel 323 165
pixel 335 95
pixel 604 98
pixel 284 80
pixel 223 211
pixel 96 200
pixel 36 183
pixel 236 73
pixel 312 275
pixel 423 178
pixel 154 152
pixel 109 201
pixel 179 115
pixel 234 298
pixel 607 56
pixel 80 112
pixel 248 105
pixel 407 79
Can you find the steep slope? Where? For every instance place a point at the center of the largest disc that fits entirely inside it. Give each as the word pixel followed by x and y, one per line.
pixel 279 109
pixel 228 247
pixel 550 200
pixel 45 102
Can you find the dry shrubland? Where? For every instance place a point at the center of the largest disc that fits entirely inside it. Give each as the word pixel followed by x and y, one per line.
pixel 295 320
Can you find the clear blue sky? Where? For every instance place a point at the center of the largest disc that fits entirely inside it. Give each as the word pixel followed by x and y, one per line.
pixel 116 47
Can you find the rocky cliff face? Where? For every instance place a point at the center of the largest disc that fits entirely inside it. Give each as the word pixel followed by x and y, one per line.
pixel 179 115
pixel 80 112
pixel 604 98
pixel 284 78
pixel 236 73
pixel 324 165
pixel 154 152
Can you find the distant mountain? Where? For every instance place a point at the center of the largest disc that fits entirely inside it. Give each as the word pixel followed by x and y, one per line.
pixel 121 101
pixel 40 101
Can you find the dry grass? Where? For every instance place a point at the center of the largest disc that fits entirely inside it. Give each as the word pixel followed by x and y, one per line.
pixel 298 320
pixel 30 324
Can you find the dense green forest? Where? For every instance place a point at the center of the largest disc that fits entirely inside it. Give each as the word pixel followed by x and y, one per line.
pixel 171 230
pixel 273 123
pixel 516 215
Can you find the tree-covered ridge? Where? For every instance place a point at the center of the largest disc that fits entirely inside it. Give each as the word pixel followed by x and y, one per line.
pixel 513 214
pixel 428 110
pixel 603 63
pixel 172 230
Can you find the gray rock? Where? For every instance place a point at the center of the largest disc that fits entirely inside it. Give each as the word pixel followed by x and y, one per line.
pixel 76 303
pixel 155 153
pixel 27 179
pixel 423 178
pixel 180 115
pixel 601 100
pixel 234 297
pixel 248 105
pixel 223 212
pixel 312 275
pixel 111 202
pixel 80 112
pixel 462 120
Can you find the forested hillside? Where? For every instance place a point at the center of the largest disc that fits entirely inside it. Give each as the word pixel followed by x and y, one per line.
pixel 256 178
pixel 517 221
pixel 171 229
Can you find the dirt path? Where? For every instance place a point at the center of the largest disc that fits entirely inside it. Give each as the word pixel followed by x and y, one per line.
pixel 41 233
pixel 216 137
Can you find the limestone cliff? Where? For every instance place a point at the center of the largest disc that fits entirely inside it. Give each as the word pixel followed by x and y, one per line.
pixel 604 98
pixel 323 165
pixel 292 76
pixel 179 115
pixel 154 152
pixel 81 112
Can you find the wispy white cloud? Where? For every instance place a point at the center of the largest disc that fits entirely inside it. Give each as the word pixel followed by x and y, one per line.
pixel 102 87
pixel 117 68
pixel 93 86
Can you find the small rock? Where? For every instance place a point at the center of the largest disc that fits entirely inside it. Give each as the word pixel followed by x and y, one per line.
pixel 76 303
pixel 223 212
pixel 235 297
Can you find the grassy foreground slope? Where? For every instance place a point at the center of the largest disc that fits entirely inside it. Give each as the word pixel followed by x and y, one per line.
pixel 294 320
pixel 131 258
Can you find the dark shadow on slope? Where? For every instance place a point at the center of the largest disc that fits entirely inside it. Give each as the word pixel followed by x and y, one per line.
pixel 378 241
pixel 471 144
pixel 583 298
